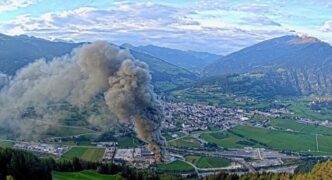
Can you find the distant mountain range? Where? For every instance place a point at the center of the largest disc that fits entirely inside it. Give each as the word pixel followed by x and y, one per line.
pixel 18 51
pixel 288 65
pixel 302 64
pixel 165 76
pixel 191 60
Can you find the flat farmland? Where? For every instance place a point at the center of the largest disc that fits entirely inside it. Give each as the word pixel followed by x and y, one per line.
pixel 303 128
pixel 273 139
pixel 281 140
pixel 85 153
pixel 227 140
pixel 301 109
pixel 60 131
pixel 186 142
pixel 6 144
pixel 175 167
pixel 208 162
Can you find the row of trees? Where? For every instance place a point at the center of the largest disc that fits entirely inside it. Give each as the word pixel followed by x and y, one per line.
pixel 22 165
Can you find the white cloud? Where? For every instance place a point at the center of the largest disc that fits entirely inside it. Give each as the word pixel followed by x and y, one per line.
pixel 140 23
pixel 260 20
pixel 211 5
pixel 327 27
pixel 9 5
pixel 255 8
pixel 327 3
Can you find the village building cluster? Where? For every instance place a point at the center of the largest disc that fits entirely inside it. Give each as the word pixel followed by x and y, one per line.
pixel 137 157
pixel 200 117
pixel 56 150
pixel 307 121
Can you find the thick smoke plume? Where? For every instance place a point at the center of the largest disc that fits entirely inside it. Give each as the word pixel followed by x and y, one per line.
pixel 77 78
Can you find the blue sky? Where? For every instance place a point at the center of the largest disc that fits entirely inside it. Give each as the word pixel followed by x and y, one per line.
pixel 219 26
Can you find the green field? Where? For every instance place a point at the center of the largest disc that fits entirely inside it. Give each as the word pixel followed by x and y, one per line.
pixel 60 131
pixel 82 175
pixel 274 139
pixel 6 144
pixel 295 126
pixel 202 95
pixel 175 166
pixel 208 162
pixel 212 95
pixel 228 140
pixel 186 142
pixel 301 109
pixel 127 142
pixel 180 134
pixel 85 153
pixel 281 140
pixel 167 136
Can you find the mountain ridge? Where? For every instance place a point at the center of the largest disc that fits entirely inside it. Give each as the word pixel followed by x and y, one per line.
pixel 18 51
pixel 191 60
pixel 305 63
pixel 281 50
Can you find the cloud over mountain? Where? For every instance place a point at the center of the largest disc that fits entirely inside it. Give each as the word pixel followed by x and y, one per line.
pixel 220 26
pixel 327 27
pixel 141 24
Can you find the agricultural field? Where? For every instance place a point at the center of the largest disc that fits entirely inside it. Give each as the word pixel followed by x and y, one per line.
pixel 82 175
pixel 208 162
pixel 127 142
pixel 180 134
pixel 303 110
pixel 61 131
pixel 281 140
pixel 284 140
pixel 6 144
pixel 175 167
pixel 205 95
pixel 186 142
pixel 290 124
pixel 212 95
pixel 85 153
pixel 273 139
pixel 199 95
pixel 167 136
pixel 227 140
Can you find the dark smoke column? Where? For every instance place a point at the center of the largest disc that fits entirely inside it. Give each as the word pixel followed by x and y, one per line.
pixel 128 90
pixel 78 77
